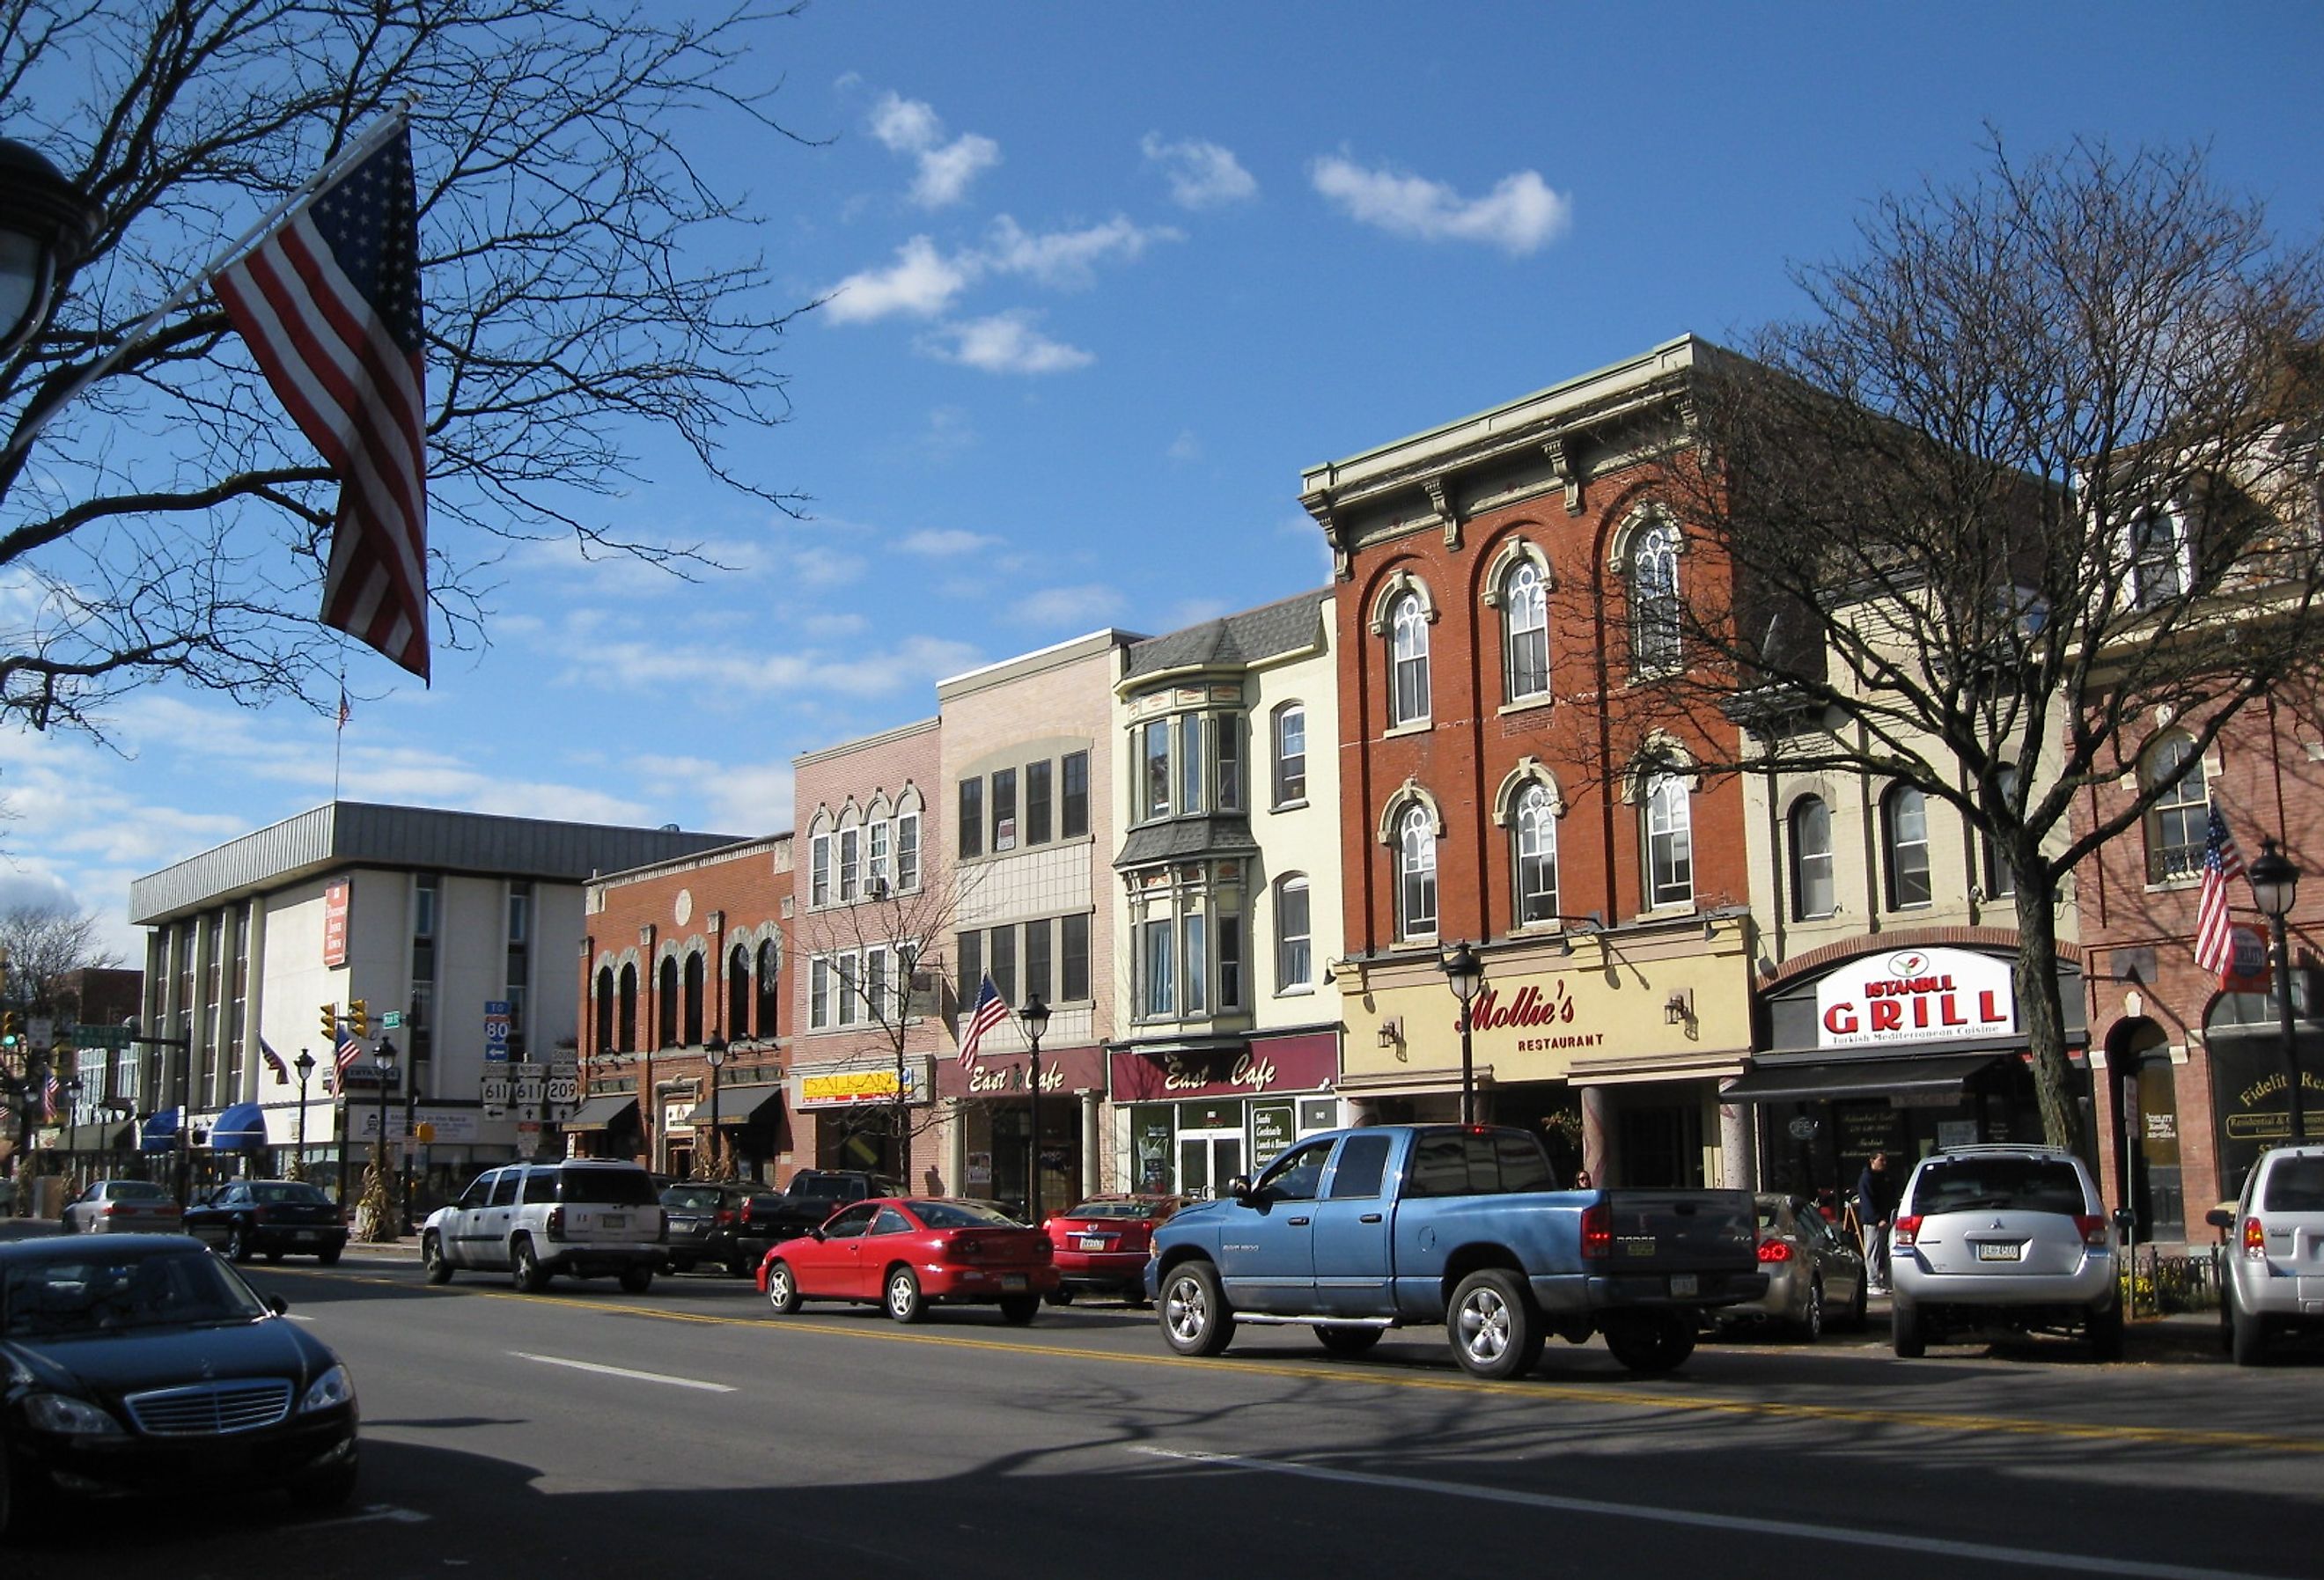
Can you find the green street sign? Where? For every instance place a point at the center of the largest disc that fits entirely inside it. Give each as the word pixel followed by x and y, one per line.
pixel 391 1021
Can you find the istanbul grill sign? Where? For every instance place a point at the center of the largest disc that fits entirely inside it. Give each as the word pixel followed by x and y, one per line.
pixel 1916 995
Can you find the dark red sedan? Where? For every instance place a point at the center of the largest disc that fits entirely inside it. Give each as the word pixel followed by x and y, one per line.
pixel 907 1254
pixel 1101 1245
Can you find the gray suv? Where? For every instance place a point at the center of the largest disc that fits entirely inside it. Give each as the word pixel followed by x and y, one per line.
pixel 536 1220
pixel 2011 1237
pixel 2274 1280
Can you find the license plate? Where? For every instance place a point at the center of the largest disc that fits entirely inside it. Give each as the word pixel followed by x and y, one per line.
pixel 612 1221
pixel 1682 1284
pixel 1094 1243
pixel 309 1233
pixel 2000 1250
pixel 1012 1280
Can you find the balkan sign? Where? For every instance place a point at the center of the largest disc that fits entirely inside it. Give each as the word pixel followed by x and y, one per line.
pixel 859 1087
pixel 1916 995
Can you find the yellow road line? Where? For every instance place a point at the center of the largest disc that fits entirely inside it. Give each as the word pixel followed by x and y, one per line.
pixel 1455 1382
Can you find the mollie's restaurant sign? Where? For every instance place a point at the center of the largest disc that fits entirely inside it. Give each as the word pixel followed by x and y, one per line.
pixel 1916 995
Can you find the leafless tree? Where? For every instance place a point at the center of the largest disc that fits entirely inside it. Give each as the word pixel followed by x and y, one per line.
pixel 2039 467
pixel 585 297
pixel 40 945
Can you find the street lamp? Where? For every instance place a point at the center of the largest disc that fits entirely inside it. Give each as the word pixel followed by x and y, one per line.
pixel 1036 1016
pixel 1464 971
pixel 2275 884
pixel 383 1058
pixel 714 1054
pixel 305 1064
pixel 45 226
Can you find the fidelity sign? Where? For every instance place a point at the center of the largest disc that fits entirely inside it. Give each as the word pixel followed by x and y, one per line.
pixel 1916 995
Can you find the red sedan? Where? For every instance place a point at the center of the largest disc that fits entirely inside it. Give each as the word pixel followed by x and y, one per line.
pixel 1103 1244
pixel 907 1254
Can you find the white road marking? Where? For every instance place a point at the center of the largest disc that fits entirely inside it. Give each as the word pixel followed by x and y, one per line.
pixel 296 1316
pixel 625 1372
pixel 373 1515
pixel 1975 1552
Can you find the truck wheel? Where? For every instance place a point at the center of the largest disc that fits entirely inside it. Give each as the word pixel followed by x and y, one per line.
pixel 1018 1310
pixel 904 1301
pixel 2104 1330
pixel 1196 1320
pixel 238 1243
pixel 432 1265
pixel 1911 1337
pixel 2248 1339
pixel 525 1271
pixel 1651 1341
pixel 637 1278
pixel 1346 1342
pixel 1492 1325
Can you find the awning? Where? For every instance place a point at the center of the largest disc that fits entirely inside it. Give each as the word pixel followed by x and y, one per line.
pixel 242 1128
pixel 738 1105
pixel 602 1112
pixel 158 1132
pixel 1820 1081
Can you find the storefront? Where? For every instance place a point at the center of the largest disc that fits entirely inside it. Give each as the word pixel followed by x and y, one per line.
pixel 1901 1050
pixel 993 1140
pixel 1191 1115
pixel 848 1111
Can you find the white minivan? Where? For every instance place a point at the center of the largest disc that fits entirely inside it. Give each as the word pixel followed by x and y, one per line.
pixel 586 1218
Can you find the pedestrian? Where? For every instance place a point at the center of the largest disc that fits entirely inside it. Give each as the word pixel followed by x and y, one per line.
pixel 1876 1204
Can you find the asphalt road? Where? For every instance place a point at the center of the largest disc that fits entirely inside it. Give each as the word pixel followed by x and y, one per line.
pixel 688 1432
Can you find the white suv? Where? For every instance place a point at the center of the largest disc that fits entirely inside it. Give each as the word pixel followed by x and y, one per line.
pixel 536 1220
pixel 2274 1280
pixel 2012 1237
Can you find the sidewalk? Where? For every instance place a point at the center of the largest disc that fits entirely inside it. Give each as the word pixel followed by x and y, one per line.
pixel 2181 1336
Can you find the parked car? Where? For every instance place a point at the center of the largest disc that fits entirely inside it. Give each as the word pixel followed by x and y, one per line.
pixel 813 1195
pixel 122 1206
pixel 582 1216
pixel 762 1224
pixel 1815 1273
pixel 271 1218
pixel 1355 1232
pixel 1102 1245
pixel 907 1254
pixel 705 1218
pixel 145 1365
pixel 2274 1282
pixel 2007 1237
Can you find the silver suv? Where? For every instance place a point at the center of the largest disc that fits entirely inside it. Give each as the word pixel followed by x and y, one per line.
pixel 2012 1237
pixel 536 1220
pixel 2275 1280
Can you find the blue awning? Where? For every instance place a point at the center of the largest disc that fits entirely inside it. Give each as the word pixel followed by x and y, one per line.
pixel 158 1133
pixel 242 1128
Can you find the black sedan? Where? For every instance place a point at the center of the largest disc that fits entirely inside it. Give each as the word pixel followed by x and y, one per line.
pixel 139 1363
pixel 271 1217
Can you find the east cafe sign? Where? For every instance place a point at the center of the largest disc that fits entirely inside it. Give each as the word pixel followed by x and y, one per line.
pixel 1916 995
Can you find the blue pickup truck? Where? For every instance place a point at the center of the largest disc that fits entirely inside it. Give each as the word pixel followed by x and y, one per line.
pixel 1355 1232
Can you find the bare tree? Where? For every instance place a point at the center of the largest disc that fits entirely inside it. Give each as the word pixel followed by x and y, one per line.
pixel 585 296
pixel 2038 468
pixel 42 944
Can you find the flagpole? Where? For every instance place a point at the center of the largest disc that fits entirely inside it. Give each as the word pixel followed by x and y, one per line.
pixel 397 119
pixel 339 730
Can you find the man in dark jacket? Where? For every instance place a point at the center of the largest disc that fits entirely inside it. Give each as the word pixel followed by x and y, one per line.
pixel 1876 1204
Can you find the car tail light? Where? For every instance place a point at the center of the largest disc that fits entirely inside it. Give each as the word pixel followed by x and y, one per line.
pixel 112 1209
pixel 1597 1232
pixel 1775 1250
pixel 258 1214
pixel 2094 1229
pixel 2254 1240
pixel 725 1216
pixel 557 1223
pixel 1906 1230
pixel 966 1248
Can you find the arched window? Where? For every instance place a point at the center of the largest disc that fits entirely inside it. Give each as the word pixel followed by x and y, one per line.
pixel 625 1036
pixel 1536 833
pixel 1904 831
pixel 738 991
pixel 1415 887
pixel 694 974
pixel 1654 598
pixel 1407 661
pixel 1290 752
pixel 770 986
pixel 665 1021
pixel 1670 842
pixel 605 1007
pixel 1524 625
pixel 2180 820
pixel 1295 956
pixel 1814 894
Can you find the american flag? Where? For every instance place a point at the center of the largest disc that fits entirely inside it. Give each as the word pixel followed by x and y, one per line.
pixel 274 1062
pixel 990 1009
pixel 49 1098
pixel 2214 944
pixel 350 1050
pixel 329 303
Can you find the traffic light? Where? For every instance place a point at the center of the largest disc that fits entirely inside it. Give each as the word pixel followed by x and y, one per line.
pixel 331 1023
pixel 359 1017
pixel 12 1028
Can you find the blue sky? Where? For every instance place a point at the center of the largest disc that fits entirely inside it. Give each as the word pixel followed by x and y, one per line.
pixel 1113 275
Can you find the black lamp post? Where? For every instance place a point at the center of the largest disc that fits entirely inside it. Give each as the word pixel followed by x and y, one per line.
pixel 1464 971
pixel 1036 1016
pixel 45 226
pixel 714 1054
pixel 383 1058
pixel 2275 884
pixel 305 1064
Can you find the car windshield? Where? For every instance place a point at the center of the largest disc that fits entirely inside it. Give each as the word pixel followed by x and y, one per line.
pixel 2295 1185
pixel 822 1188
pixel 1967 1185
pixel 289 1191
pixel 84 1295
pixel 1116 1209
pixel 620 1187
pixel 135 1190
pixel 962 1215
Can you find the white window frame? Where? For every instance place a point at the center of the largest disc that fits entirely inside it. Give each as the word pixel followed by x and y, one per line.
pixel 1294 952
pixel 1416 876
pixel 1409 701
pixel 1654 645
pixel 1898 842
pixel 1669 813
pixel 1812 867
pixel 818 894
pixel 1283 717
pixel 1534 846
pixel 1524 632
pixel 908 853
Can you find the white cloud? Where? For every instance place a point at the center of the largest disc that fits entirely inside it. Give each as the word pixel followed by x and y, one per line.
pixel 1003 343
pixel 1197 612
pixel 1520 215
pixel 1062 258
pixel 1202 174
pixel 1080 607
pixel 753 797
pixel 946 170
pixel 1186 447
pixel 919 283
pixel 817 567
pixel 834 625
pixel 945 542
